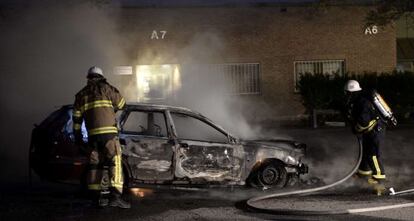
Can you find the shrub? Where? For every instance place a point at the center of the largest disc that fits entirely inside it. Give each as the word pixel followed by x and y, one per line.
pixel 321 91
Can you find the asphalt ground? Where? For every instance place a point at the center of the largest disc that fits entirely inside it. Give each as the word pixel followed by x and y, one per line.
pixel 332 152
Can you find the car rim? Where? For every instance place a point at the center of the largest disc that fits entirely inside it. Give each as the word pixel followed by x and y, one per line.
pixel 270 176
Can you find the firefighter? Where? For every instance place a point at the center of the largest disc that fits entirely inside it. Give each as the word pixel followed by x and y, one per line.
pixel 368 124
pixel 95 105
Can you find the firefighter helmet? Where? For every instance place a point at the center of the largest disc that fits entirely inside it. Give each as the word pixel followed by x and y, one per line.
pixel 95 70
pixel 352 86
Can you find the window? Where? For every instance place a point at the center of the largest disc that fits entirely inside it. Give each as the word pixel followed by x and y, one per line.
pixel 145 123
pixel 329 67
pixel 405 65
pixel 156 82
pixel 190 128
pixel 244 78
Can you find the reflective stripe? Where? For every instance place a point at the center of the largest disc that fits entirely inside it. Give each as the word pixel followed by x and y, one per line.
pixel 370 126
pixel 96 104
pixel 366 173
pixel 118 171
pixel 120 186
pixel 121 103
pixel 117 179
pixel 379 176
pixel 94 186
pixel 77 113
pixel 102 130
pixel 77 126
pixel 377 168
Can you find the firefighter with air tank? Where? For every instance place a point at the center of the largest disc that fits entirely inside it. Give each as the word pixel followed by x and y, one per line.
pixel 369 115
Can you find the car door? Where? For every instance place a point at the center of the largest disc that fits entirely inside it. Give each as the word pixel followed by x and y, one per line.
pixel 53 154
pixel 204 152
pixel 148 151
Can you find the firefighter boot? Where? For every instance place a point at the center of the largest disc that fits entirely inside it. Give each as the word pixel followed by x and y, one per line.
pixel 378 186
pixel 100 199
pixel 117 201
pixel 103 200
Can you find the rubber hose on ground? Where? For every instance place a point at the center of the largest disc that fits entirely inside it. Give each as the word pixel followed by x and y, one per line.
pixel 250 202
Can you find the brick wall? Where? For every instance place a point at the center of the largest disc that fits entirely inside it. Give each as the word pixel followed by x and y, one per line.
pixel 270 36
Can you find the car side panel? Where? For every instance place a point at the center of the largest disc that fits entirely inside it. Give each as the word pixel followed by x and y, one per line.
pixel 203 161
pixel 149 158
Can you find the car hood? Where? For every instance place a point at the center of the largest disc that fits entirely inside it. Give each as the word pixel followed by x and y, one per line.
pixel 287 145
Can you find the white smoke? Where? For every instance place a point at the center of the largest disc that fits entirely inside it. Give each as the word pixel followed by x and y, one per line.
pixel 46 49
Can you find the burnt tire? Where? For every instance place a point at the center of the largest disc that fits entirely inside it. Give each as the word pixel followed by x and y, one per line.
pixel 271 174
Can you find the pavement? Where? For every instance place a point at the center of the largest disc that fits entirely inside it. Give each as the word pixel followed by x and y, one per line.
pixel 332 153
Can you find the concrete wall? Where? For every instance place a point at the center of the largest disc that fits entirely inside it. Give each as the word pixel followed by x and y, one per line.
pixel 271 36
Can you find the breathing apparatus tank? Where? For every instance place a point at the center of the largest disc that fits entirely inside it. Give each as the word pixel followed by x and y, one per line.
pixel 382 107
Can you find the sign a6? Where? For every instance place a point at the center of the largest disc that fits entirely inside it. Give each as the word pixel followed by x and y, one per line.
pixel 372 30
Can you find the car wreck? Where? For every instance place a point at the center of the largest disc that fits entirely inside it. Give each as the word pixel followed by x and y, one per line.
pixel 168 145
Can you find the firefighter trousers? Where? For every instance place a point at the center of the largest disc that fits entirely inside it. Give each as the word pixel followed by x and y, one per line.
pixel 371 164
pixel 105 159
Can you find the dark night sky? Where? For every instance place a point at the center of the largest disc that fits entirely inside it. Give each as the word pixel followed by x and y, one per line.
pixel 205 3
pixel 184 3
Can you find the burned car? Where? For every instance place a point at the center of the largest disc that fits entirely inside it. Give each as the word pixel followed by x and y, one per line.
pixel 168 145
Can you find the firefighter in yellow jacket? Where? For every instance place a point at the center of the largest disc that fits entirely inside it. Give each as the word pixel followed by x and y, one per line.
pixel 96 105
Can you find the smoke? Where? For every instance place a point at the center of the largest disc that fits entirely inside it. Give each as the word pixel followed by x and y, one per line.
pixel 201 87
pixel 332 154
pixel 46 49
pixel 208 91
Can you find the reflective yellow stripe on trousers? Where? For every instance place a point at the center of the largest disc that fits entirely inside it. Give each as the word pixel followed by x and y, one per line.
pixel 117 179
pixel 365 173
pixel 94 186
pixel 377 168
pixel 103 130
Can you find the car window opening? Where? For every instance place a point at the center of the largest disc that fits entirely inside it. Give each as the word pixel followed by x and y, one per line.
pixel 191 128
pixel 145 123
pixel 68 128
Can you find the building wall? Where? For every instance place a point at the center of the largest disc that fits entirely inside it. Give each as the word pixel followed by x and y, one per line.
pixel 272 36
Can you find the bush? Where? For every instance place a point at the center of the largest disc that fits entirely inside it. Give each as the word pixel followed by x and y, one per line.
pixel 321 91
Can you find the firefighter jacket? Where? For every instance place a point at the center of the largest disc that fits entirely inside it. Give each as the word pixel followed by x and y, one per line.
pixel 362 114
pixel 96 104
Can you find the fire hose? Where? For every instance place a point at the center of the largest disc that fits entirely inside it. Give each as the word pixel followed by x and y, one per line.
pixel 250 203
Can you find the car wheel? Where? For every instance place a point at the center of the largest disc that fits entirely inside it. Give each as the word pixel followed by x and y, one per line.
pixel 271 174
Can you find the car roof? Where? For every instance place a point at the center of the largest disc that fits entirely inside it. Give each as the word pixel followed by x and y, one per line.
pixel 149 106
pixel 161 107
